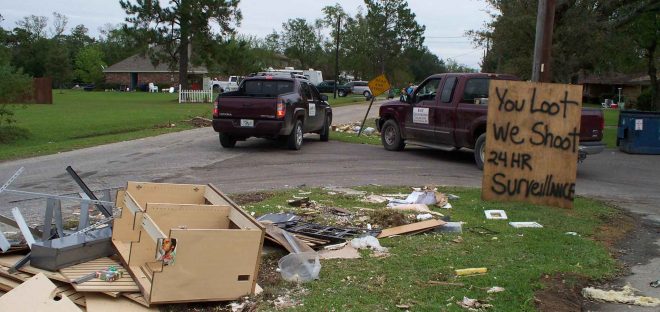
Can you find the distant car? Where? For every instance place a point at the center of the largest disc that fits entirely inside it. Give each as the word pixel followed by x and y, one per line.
pixel 326 86
pixel 355 87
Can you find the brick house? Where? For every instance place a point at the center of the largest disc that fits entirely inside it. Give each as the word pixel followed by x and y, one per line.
pixel 137 71
pixel 599 87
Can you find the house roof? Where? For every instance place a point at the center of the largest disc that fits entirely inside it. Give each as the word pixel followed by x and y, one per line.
pixel 615 79
pixel 142 64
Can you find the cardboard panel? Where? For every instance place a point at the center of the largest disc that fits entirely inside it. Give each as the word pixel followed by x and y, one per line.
pixel 233 253
pixel 532 142
pixel 174 216
pixel 145 192
pixel 37 294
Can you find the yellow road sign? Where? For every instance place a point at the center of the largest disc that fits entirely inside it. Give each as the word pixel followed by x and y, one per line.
pixel 379 85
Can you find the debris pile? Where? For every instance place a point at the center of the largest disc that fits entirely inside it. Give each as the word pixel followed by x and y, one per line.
pixel 626 296
pixel 354 128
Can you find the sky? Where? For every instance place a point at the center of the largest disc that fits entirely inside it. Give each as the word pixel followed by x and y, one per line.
pixel 446 21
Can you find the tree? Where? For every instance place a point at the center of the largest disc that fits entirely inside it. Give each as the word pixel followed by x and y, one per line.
pixel 301 41
pixel 116 44
pixel 89 64
pixel 422 63
pixel 182 24
pixel 393 29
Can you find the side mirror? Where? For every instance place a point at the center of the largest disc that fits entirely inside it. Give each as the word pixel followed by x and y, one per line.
pixel 324 97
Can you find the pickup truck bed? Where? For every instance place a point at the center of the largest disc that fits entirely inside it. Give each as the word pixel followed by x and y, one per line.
pixel 272 108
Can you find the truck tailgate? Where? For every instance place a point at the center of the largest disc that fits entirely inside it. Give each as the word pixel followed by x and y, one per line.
pixel 591 124
pixel 247 107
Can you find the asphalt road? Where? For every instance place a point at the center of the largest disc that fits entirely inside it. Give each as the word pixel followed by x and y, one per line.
pixel 195 156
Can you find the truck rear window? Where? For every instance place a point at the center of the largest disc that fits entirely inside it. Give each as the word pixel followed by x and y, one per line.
pixel 476 88
pixel 267 87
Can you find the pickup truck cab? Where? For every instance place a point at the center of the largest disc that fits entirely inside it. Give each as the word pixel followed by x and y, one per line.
pixel 272 107
pixel 225 86
pixel 448 112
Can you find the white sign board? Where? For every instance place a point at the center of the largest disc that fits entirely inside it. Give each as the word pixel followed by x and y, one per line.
pixel 421 115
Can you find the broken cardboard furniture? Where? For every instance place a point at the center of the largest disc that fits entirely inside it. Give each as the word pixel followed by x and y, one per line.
pixel 185 243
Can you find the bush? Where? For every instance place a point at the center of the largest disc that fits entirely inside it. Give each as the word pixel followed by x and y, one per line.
pixel 15 85
pixel 10 134
pixel 645 101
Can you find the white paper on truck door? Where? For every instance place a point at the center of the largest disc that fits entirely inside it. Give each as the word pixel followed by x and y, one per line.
pixel 421 115
pixel 312 109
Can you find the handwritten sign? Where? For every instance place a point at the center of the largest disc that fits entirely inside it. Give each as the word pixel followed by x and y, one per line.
pixel 379 85
pixel 532 142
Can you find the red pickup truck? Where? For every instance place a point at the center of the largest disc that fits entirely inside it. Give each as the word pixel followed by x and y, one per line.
pixel 454 108
pixel 272 107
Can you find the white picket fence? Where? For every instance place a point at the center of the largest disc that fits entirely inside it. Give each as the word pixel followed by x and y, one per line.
pixel 195 96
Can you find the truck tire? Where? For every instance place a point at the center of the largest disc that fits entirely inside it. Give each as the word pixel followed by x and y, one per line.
pixel 227 141
pixel 367 94
pixel 295 139
pixel 390 136
pixel 479 151
pixel 325 131
pixel 342 93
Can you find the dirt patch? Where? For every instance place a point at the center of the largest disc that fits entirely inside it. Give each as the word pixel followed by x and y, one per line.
pixel 617 227
pixel 561 292
pixel 250 198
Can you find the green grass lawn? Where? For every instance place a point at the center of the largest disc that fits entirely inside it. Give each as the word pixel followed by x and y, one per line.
pixel 82 119
pixel 516 259
pixel 79 119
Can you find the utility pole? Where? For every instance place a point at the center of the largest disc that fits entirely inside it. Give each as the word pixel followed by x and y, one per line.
pixel 541 71
pixel 337 57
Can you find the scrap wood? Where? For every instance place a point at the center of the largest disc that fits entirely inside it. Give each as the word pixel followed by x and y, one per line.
pixel 42 294
pixel 274 234
pixel 99 303
pixel 627 296
pixel 10 260
pixel 470 271
pixel 347 252
pixel 410 228
pixel 445 283
pixel 9 281
pixel 123 284
pixel 136 297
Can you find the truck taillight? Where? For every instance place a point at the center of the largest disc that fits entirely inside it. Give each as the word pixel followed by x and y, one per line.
pixel 280 108
pixel 216 105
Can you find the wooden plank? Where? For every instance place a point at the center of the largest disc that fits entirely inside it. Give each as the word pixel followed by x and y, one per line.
pixel 99 303
pixel 411 228
pixel 532 142
pixel 7 284
pixel 10 260
pixel 19 277
pixel 123 284
pixel 42 294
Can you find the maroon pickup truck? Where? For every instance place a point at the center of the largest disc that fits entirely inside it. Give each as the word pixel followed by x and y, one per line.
pixel 448 112
pixel 272 107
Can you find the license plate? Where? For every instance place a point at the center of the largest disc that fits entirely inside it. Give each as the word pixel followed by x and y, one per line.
pixel 247 123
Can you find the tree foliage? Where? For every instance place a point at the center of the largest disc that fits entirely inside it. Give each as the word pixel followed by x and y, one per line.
pixel 89 64
pixel 183 25
pixel 590 36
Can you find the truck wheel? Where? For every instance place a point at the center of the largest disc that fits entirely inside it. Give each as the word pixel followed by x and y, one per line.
pixel 367 94
pixel 227 141
pixel 294 142
pixel 391 136
pixel 325 132
pixel 480 151
pixel 342 93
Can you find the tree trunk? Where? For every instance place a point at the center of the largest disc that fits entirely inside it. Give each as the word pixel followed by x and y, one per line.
pixel 653 74
pixel 183 44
